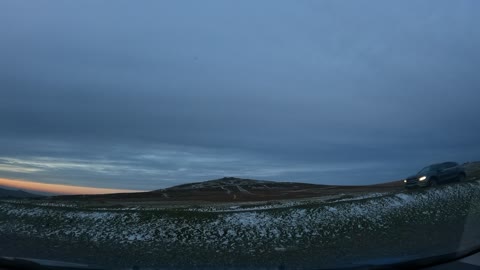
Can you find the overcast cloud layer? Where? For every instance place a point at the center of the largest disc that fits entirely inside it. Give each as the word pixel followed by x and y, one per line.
pixel 145 95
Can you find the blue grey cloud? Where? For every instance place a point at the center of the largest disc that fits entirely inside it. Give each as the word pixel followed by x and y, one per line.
pixel 116 94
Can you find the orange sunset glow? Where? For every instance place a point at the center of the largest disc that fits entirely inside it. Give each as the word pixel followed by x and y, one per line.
pixel 57 188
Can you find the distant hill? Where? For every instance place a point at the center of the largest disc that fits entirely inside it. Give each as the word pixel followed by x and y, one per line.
pixel 9 193
pixel 244 184
pixel 231 189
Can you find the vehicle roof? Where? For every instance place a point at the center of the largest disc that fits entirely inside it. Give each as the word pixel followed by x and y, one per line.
pixel 443 163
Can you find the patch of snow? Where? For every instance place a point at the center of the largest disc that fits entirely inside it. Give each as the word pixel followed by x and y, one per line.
pixel 241 189
pixel 229 227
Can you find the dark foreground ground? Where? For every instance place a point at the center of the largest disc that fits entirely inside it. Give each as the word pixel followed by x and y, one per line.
pixel 308 233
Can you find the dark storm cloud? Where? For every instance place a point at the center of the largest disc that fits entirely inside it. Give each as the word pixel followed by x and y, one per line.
pixel 113 94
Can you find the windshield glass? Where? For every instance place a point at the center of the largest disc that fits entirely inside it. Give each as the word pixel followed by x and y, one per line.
pixel 432 168
pixel 238 134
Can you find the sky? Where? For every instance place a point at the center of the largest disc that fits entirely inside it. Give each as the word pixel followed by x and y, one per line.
pixel 125 95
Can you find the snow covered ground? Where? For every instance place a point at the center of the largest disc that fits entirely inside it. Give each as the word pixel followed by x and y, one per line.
pixel 314 231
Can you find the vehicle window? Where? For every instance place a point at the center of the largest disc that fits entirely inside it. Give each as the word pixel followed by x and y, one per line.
pixel 443 167
pixel 446 165
pixel 450 165
pixel 425 170
pixel 432 168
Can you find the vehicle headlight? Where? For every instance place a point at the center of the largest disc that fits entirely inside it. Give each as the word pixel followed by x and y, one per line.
pixel 422 178
pixel 405 180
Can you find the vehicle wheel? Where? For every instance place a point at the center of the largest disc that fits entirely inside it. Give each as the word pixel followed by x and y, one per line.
pixel 461 178
pixel 433 182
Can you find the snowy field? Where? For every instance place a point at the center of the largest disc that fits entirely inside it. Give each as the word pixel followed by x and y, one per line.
pixel 308 232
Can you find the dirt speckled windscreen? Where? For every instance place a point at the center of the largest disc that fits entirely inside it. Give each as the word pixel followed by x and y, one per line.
pixel 240 134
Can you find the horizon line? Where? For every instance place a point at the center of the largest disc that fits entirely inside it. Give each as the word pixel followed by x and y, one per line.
pixel 60 189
